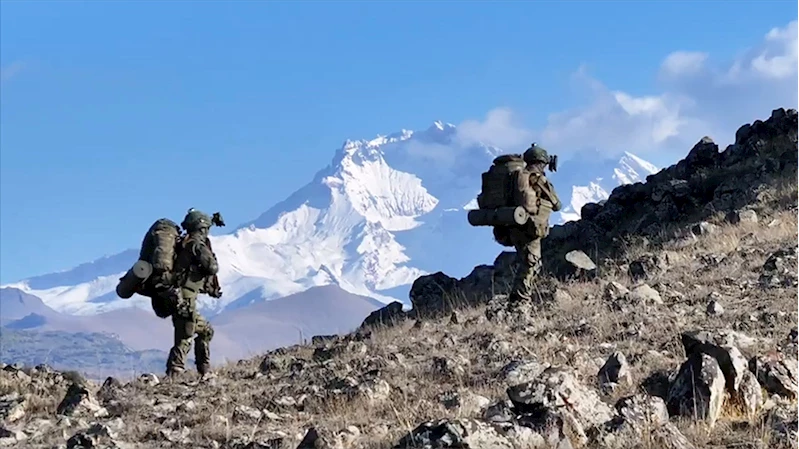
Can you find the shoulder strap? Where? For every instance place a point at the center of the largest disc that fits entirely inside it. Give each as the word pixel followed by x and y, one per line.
pixel 542 183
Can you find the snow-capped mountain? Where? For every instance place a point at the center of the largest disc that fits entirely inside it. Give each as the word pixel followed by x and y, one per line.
pixel 382 213
pixel 608 173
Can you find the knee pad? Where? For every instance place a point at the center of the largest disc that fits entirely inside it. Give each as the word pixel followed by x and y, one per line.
pixel 187 328
pixel 207 334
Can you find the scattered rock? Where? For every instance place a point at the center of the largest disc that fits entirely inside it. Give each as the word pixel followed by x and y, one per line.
pixel 164 408
pixel 557 388
pixel 276 363
pixel 187 407
pixel 749 394
pixel 78 402
pixel 388 315
pixel 561 296
pixel 245 413
pixel 642 418
pixel 433 294
pixel 149 379
pixel 517 371
pixel 176 436
pixel 614 291
pixel 615 371
pixel 468 434
pixel 318 437
pixel 450 367
pixel 780 269
pixel 647 265
pixel 10 437
pixel 466 403
pixel 776 375
pixel 99 435
pixel 643 411
pixel 742 216
pixel 375 390
pixel 12 407
pixel 645 294
pixel 704 228
pixel 580 262
pixel 500 412
pixel 730 360
pixel 698 390
pixel 714 308
pixel 782 419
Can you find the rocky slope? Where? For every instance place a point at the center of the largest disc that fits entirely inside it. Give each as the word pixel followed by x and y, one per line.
pixel 682 336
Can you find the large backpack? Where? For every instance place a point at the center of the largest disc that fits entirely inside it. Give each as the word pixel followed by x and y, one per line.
pixel 501 207
pixel 158 246
pixel 153 274
pixel 498 201
pixel 496 189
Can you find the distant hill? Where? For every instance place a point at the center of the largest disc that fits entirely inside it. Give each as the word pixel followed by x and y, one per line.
pixel 16 304
pixel 265 325
pixel 92 354
pixel 40 333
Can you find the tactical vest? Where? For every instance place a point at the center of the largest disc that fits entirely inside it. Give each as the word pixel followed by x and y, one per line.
pixel 546 198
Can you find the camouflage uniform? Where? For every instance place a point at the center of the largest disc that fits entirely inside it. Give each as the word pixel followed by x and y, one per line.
pixel 537 195
pixel 195 264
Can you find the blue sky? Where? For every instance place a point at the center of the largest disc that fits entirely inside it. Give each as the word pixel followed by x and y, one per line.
pixel 115 114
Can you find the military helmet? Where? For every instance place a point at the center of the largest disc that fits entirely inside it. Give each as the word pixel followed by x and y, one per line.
pixel 196 220
pixel 535 154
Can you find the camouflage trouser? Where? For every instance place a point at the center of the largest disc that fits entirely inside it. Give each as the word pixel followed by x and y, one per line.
pixel 187 322
pixel 528 265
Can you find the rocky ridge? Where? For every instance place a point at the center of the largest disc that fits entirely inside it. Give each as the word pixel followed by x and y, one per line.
pixel 681 338
pixel 680 202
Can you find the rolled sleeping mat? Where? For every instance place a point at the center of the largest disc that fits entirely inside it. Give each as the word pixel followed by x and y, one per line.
pixel 503 216
pixel 142 269
pixel 138 273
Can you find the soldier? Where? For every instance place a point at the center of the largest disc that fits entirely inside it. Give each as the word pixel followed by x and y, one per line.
pixel 537 195
pixel 195 265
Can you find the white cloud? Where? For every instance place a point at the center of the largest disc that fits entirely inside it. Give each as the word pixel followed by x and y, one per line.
pixel 439 154
pixel 778 58
pixel 615 121
pixel 697 96
pixel 683 62
pixel 445 146
pixel 499 129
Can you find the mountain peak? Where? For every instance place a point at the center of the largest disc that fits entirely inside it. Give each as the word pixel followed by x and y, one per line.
pixel 606 173
pixel 441 126
pixel 638 161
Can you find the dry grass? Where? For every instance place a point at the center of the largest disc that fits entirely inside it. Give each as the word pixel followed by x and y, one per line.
pixel 581 331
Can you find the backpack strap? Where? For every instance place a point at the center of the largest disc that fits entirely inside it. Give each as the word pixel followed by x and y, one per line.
pixel 543 184
pixel 523 194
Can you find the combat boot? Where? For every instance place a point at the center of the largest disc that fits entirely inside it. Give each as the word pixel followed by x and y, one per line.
pixel 205 370
pixel 175 374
